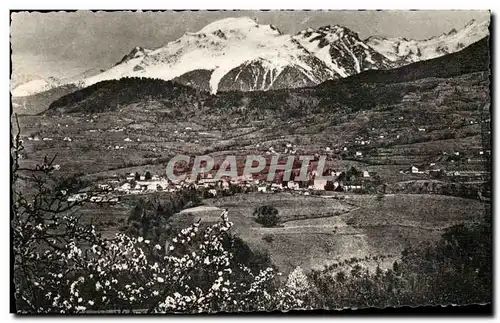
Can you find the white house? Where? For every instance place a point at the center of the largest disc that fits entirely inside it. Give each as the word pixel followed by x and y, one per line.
pixel 319 184
pixel 104 186
pixel 293 185
pixel 125 187
pixel 225 184
pixel 351 187
pixel 359 154
pixel 77 197
pixel 262 189
pixel 276 186
pixel 414 170
pixel 366 173
pixel 207 182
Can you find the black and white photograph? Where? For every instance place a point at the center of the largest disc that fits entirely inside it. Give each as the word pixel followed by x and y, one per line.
pixel 249 161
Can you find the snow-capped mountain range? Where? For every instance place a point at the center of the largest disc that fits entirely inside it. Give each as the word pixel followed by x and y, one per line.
pixel 36 86
pixel 239 54
pixel 229 54
pixel 405 51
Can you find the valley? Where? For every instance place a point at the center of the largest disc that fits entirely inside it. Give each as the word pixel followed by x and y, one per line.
pixel 236 167
pixel 328 232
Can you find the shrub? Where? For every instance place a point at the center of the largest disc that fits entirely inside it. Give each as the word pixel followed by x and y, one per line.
pixel 267 215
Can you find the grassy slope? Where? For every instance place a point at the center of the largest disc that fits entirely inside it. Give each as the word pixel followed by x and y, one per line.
pixel 370 228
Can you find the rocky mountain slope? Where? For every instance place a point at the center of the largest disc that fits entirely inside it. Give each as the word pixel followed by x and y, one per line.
pixel 342 50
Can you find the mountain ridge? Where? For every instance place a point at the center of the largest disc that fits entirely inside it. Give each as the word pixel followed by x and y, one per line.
pixel 239 54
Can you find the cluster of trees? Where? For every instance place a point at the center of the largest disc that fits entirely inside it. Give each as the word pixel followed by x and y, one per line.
pixel 457 270
pixel 149 216
pixel 110 95
pixel 266 215
pixel 63 264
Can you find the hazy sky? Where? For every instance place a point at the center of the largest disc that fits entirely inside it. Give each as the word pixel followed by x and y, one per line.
pixel 66 44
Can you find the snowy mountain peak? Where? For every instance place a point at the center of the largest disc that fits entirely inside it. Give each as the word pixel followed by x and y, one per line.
pixel 341 49
pixel 403 51
pixel 254 56
pixel 229 24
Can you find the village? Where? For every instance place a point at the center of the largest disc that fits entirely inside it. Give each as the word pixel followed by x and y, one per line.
pixel 363 150
pixel 448 166
pixel 351 180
